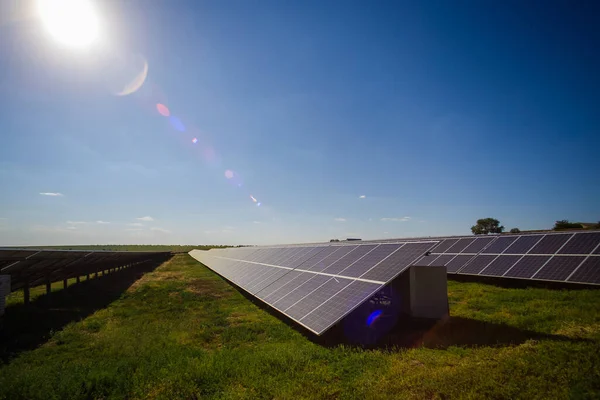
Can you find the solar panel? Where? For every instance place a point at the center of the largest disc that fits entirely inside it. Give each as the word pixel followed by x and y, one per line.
pixel 581 244
pixel 457 263
pixel 500 265
pixel 523 244
pixel 329 312
pixel 500 245
pixel 477 264
pixel 559 268
pixel 527 266
pixel 31 267
pixel 289 298
pixel 550 244
pixel 460 245
pixel 395 263
pixel 369 260
pixel 588 271
pixel 478 244
pixel 444 245
pixel 318 296
pixel 318 284
pixel 326 261
pixel 349 259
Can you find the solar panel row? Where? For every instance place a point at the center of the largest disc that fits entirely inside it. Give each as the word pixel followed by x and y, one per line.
pixel 315 285
pixel 35 267
pixel 571 257
pixel 318 284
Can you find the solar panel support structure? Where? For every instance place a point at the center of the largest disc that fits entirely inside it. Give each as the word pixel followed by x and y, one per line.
pixel 428 292
pixel 4 291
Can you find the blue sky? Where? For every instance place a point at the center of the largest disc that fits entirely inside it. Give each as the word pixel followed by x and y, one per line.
pixel 438 113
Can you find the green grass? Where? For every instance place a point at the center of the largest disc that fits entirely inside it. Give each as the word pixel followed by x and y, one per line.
pixel 182 332
pixel 132 247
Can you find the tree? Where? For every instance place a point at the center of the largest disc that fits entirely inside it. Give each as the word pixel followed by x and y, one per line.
pixel 486 226
pixel 515 230
pixel 565 224
pixel 597 225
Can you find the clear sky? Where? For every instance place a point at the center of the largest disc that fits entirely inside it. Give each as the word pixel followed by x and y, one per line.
pixel 363 119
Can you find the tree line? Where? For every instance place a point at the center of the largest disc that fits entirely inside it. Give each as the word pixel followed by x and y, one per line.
pixel 486 226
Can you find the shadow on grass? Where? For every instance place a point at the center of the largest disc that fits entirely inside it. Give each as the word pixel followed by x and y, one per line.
pixel 452 331
pixel 25 327
pixel 410 332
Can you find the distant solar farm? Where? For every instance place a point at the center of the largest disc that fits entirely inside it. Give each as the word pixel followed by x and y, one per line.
pixel 502 316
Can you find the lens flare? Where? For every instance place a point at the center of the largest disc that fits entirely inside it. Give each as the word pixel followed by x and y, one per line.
pixel 195 140
pixel 163 110
pixel 373 317
pixel 253 199
pixel 229 174
pixel 176 123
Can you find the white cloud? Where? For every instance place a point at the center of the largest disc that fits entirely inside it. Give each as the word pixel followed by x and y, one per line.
pixel 362 196
pixel 71 227
pixel 256 222
pixel 403 219
pixel 147 219
pixel 135 224
pixel 76 222
pixel 102 222
pixel 339 219
pixel 134 229
pixel 161 230
pixel 51 194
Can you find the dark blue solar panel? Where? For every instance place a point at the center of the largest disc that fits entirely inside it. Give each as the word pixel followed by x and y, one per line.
pixel 588 272
pixel 278 284
pixel 559 268
pixel 444 245
pixel 442 260
pixel 500 265
pixel 460 245
pixel 265 278
pixel 425 261
pixel 527 266
pixel 299 258
pixel 300 254
pixel 347 260
pixel 285 254
pixel 369 260
pixel 500 244
pixel 477 265
pixel 397 262
pixel 582 243
pixel 296 294
pixel 339 252
pixel 332 310
pixel 457 263
pixel 478 244
pixel 523 244
pixel 317 297
pixel 285 289
pixel 550 244
pixel 314 260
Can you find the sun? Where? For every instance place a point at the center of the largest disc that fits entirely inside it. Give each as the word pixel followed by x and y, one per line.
pixel 73 23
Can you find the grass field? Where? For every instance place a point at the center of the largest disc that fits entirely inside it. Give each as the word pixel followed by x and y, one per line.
pixel 182 332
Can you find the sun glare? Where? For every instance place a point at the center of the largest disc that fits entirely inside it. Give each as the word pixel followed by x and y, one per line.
pixel 72 22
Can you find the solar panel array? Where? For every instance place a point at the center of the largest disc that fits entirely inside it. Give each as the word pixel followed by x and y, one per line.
pixel 562 257
pixel 314 285
pixel 318 284
pixel 30 267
